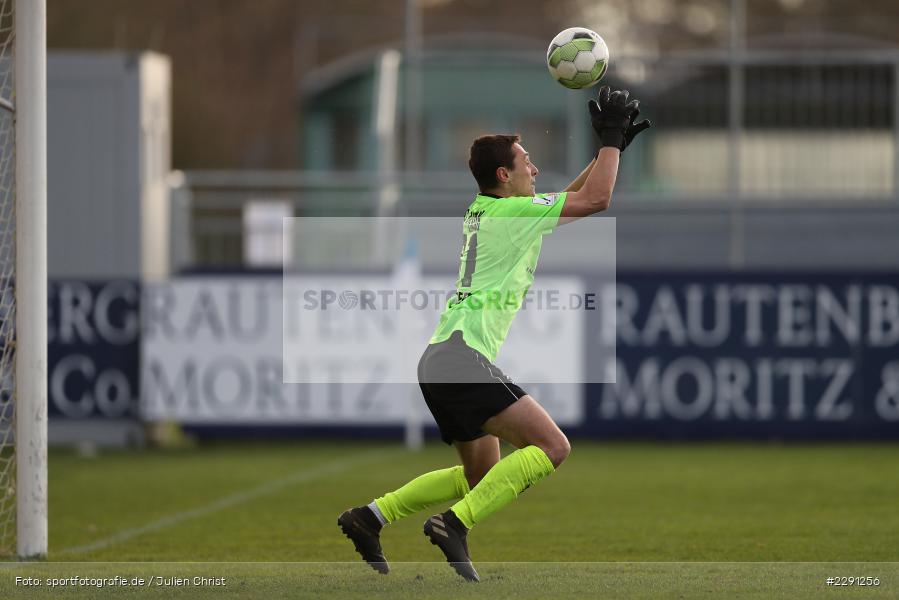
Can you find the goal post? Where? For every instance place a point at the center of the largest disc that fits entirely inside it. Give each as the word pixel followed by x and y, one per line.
pixel 28 224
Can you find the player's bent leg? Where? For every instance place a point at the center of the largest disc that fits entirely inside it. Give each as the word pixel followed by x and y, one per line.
pixel 542 448
pixel 502 484
pixel 526 423
pixel 478 457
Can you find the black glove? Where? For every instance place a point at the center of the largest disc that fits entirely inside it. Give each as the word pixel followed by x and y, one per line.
pixel 635 128
pixel 613 118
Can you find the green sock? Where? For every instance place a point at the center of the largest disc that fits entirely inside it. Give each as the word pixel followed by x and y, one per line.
pixel 502 484
pixel 423 491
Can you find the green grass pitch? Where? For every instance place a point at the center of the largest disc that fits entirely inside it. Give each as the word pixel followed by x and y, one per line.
pixel 621 520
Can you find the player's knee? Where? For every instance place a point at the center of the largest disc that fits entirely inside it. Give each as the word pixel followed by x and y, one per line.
pixel 558 450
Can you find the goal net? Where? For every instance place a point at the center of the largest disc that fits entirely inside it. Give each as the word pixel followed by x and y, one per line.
pixel 7 282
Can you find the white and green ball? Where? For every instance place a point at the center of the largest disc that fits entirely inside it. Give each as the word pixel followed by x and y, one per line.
pixel 577 58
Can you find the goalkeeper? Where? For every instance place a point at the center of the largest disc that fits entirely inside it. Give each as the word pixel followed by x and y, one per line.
pixel 474 403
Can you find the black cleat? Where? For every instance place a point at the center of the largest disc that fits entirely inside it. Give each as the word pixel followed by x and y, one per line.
pixel 447 532
pixel 362 527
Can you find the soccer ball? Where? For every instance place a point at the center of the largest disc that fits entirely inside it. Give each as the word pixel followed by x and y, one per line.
pixel 577 58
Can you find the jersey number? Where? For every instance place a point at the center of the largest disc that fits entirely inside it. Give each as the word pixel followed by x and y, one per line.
pixel 471 256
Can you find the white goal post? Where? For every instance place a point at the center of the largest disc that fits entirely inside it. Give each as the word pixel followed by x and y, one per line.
pixel 28 223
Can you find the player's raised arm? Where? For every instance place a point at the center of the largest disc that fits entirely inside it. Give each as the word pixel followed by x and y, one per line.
pixel 596 193
pixel 613 120
pixel 578 182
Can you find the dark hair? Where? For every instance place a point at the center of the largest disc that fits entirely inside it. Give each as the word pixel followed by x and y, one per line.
pixel 488 153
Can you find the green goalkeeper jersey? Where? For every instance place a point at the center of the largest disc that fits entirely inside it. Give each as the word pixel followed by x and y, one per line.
pixel 502 238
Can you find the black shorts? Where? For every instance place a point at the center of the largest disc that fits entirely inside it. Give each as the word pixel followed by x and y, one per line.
pixel 463 388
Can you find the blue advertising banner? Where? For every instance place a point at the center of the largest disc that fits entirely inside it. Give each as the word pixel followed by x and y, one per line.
pixel 704 355
pixel 93 348
pixel 761 355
